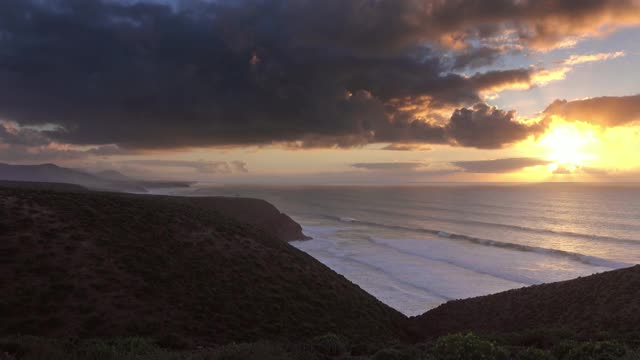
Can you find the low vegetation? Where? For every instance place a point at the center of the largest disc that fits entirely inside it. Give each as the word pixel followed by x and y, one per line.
pixel 89 264
pixel 604 306
pixel 453 347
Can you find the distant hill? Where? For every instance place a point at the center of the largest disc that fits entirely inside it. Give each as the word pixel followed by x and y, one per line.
pixel 109 180
pixel 41 186
pixel 52 173
pixel 603 303
pixel 49 173
pixel 90 264
pixel 113 175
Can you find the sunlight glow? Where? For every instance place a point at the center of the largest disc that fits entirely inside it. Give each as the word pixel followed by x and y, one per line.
pixel 567 146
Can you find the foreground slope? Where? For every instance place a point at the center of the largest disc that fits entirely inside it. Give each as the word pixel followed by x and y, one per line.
pixel 605 303
pixel 99 264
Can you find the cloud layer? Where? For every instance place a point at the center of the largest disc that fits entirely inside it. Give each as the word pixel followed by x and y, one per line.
pixel 145 75
pixel 500 166
pixel 204 167
pixel 605 111
pixel 389 166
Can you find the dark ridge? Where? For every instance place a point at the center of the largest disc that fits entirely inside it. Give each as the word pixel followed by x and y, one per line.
pixel 113 175
pixel 256 212
pixel 608 303
pixel 41 186
pixel 51 173
pixel 90 264
pixel 109 180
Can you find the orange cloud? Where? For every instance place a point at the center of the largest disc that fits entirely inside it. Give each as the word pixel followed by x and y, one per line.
pixel 581 59
pixel 544 77
pixel 605 111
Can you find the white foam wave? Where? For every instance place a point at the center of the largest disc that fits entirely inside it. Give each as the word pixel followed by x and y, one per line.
pixel 582 258
pixel 414 275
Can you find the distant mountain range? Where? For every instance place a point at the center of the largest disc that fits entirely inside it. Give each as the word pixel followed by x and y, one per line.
pixel 109 180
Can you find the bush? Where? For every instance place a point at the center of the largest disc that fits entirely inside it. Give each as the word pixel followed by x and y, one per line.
pixel 329 344
pixel 259 351
pixel 466 347
pixel 392 354
pixel 255 351
pixel 537 338
pixel 534 354
pixel 32 348
pixel 173 342
pixel 122 348
pixel 361 349
pixel 601 350
pixel 563 348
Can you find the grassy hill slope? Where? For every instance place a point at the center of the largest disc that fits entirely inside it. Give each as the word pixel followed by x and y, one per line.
pixel 601 305
pixel 92 264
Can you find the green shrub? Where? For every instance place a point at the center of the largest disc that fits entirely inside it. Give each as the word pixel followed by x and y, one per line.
pixel 362 348
pixel 534 354
pixel 392 354
pixel 173 342
pixel 259 351
pixel 537 338
pixel 116 349
pixel 601 350
pixel 329 344
pixel 563 348
pixel 466 347
pixel 32 348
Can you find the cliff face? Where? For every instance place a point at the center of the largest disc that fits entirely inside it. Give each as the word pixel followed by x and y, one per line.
pixel 256 212
pixel 603 303
pixel 91 264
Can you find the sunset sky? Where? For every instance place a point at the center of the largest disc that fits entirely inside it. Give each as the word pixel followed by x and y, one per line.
pixel 324 92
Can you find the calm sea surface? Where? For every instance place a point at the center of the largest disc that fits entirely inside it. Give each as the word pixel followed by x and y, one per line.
pixel 417 247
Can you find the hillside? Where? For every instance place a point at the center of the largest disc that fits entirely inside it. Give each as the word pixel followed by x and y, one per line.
pixel 256 212
pixel 605 303
pixel 105 180
pixel 51 173
pixel 99 264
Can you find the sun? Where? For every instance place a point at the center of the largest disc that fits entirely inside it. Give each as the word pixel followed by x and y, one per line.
pixel 568 146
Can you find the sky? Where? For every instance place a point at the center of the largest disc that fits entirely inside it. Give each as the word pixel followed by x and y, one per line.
pixel 324 92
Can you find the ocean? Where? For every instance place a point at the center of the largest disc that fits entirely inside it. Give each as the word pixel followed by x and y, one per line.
pixel 415 248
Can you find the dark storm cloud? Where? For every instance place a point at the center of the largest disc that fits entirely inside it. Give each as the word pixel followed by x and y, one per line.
pixel 499 166
pixel 487 127
pixel 15 136
pixel 304 73
pixel 476 57
pixel 384 25
pixel 605 111
pixel 29 153
pixel 30 144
